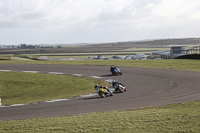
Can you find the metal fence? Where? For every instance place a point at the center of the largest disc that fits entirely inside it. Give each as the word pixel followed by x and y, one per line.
pixel 195 50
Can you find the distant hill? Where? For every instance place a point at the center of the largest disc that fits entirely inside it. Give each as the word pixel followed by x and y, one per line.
pixel 105 47
pixel 152 43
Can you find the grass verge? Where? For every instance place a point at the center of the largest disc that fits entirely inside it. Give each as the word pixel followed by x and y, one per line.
pixel 184 117
pixel 18 87
pixel 181 64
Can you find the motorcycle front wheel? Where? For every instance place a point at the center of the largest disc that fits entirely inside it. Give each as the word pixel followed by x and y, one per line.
pixel 102 95
pixel 111 94
pixel 121 90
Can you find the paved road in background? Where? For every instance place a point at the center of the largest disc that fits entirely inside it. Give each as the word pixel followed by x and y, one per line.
pixel 146 87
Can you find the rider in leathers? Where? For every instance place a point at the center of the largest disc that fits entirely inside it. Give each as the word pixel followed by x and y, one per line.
pixel 98 88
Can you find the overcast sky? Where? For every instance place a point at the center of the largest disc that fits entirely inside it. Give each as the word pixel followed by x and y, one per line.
pixel 94 21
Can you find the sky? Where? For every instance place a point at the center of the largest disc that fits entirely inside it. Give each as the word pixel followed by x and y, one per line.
pixel 96 21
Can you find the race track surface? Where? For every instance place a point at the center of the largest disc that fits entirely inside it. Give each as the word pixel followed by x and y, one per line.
pixel 146 87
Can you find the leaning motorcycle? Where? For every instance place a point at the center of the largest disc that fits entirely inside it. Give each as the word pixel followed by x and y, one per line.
pixel 115 71
pixel 103 92
pixel 121 88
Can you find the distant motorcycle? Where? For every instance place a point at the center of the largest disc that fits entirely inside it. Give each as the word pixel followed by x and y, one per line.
pixel 118 87
pixel 103 91
pixel 115 71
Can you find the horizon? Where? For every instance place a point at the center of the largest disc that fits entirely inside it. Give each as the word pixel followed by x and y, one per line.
pixel 145 40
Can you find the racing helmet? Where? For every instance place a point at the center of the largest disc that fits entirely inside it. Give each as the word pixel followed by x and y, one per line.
pixel 96 86
pixel 113 83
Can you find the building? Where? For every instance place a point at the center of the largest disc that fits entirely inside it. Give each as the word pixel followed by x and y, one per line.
pixel 25 46
pixel 178 51
pixel 164 54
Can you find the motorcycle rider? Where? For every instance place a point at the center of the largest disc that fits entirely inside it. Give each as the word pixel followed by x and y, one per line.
pixel 116 84
pixel 98 88
pixel 112 68
pixel 115 70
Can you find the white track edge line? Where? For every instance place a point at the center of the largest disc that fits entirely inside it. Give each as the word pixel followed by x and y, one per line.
pixel 57 100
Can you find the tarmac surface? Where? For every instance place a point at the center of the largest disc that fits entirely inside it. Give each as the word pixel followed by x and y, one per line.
pixel 145 87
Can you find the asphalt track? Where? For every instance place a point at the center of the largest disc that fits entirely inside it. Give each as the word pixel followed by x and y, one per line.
pixel 146 87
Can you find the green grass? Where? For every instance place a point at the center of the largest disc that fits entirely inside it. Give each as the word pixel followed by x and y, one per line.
pixel 184 117
pixel 19 58
pixel 189 65
pixel 5 57
pixel 67 57
pixel 18 87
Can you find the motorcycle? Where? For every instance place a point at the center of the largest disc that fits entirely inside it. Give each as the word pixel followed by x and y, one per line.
pixel 119 87
pixel 103 91
pixel 115 71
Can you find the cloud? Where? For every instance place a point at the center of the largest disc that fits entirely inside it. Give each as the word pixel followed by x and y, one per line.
pixel 97 21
